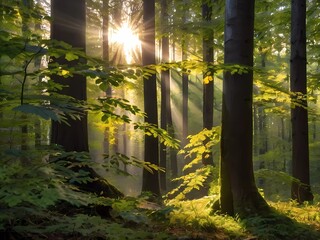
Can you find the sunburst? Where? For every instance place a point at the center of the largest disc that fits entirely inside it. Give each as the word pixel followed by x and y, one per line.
pixel 128 41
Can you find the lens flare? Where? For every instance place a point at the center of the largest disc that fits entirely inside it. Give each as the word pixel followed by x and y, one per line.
pixel 129 41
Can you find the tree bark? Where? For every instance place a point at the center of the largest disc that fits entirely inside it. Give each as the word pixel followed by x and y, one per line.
pixel 185 85
pixel 299 114
pixel 150 180
pixel 68 25
pixel 165 90
pixel 208 93
pixel 106 59
pixel 238 194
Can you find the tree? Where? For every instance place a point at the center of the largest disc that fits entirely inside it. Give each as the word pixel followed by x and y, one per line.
pixel 150 180
pixel 105 57
pixel 238 193
pixel 68 25
pixel 165 90
pixel 300 191
pixel 185 78
pixel 26 31
pixel 208 93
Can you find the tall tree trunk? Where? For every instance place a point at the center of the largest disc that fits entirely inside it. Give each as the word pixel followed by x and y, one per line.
pixel 150 180
pixel 185 90
pixel 106 59
pixel 238 194
pixel 299 114
pixel 69 25
pixel 165 91
pixel 208 94
pixel 26 31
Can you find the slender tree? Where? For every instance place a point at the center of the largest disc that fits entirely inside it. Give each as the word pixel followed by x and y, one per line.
pixel 165 93
pixel 238 194
pixel 105 58
pixel 150 180
pixel 185 80
pixel 166 115
pixel 27 5
pixel 301 191
pixel 208 93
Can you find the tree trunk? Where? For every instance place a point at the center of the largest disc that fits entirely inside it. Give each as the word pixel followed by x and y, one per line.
pixel 69 25
pixel 239 194
pixel 165 91
pixel 150 180
pixel 106 59
pixel 299 115
pixel 208 96
pixel 26 31
pixel 185 78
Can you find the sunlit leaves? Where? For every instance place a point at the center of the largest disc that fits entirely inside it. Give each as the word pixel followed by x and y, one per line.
pixel 200 145
pixel 207 79
pixel 189 182
pixel 114 162
pixel 152 130
pixel 70 56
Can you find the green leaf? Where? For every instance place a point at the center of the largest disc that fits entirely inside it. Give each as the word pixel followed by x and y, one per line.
pixel 41 111
pixel 70 56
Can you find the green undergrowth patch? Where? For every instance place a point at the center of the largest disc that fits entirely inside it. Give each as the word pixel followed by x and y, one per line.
pixel 287 220
pixel 306 213
pixel 197 214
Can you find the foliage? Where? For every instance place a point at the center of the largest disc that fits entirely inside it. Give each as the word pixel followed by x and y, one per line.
pixel 164 136
pixel 200 146
pixel 39 192
pixel 114 162
pixel 189 182
pixel 42 199
pixel 197 213
pixel 279 226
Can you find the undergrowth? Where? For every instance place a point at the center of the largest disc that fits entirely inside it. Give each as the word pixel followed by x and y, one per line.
pixel 288 220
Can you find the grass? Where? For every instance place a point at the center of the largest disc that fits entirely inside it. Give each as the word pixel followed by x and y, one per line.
pixel 288 221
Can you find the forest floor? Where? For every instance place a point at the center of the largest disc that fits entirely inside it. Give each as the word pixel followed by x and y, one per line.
pixel 288 221
pixel 183 220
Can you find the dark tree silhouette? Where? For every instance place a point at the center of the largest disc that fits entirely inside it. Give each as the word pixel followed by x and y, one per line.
pixel 239 194
pixel 208 93
pixel 150 180
pixel 299 114
pixel 69 25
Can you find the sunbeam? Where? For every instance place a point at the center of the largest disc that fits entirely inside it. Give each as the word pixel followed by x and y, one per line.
pixel 129 41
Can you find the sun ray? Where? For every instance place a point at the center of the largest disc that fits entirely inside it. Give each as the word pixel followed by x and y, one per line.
pixel 128 40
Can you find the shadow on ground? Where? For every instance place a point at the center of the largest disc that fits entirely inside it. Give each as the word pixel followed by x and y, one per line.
pixel 275 226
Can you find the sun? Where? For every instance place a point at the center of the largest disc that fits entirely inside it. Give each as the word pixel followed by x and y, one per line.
pixel 129 41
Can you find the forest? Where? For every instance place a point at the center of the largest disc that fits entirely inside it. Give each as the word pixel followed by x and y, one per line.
pixel 159 119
